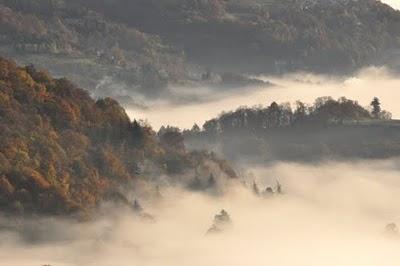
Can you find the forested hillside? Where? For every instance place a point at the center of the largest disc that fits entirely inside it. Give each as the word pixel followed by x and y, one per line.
pixel 84 46
pixel 266 35
pixel 62 152
pixel 102 54
pixel 141 47
pixel 328 129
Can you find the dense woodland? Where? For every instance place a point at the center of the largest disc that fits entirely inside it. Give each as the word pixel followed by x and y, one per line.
pixel 71 41
pixel 327 129
pixel 266 35
pixel 147 45
pixel 63 152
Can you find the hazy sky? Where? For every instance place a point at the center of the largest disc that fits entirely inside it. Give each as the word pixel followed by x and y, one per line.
pixel 394 3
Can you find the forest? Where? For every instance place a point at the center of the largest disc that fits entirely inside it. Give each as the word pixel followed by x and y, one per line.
pixel 265 36
pixel 327 129
pixel 199 132
pixel 145 46
pixel 61 152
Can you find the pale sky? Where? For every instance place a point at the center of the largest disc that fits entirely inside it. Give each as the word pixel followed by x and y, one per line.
pixel 393 3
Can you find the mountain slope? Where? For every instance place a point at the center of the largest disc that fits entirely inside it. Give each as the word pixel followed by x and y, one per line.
pixel 265 36
pixel 130 48
pixel 61 151
pixel 73 40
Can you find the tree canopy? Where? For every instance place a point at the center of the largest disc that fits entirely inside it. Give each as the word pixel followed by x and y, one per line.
pixel 61 151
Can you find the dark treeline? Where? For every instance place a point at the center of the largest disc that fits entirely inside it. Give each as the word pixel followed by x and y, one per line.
pixel 328 128
pixel 325 111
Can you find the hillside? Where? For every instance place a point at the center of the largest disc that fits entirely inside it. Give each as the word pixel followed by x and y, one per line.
pixel 261 36
pixel 63 152
pixel 103 55
pixel 329 129
pixel 72 41
pixel 135 49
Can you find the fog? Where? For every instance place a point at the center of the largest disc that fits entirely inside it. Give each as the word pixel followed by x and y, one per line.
pixel 363 86
pixel 329 214
pixel 393 3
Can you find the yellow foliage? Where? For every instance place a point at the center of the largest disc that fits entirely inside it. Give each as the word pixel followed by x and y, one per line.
pixel 4 99
pixel 5 186
pixel 25 77
pixel 36 178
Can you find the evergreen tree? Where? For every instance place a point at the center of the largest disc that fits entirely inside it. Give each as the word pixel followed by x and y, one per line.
pixel 137 133
pixel 376 107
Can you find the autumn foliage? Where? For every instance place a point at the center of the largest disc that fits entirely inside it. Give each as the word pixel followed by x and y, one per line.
pixel 61 151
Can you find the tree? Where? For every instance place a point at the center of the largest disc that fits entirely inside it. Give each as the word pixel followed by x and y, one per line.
pixel 301 111
pixel 212 127
pixel 221 222
pixel 137 133
pixel 136 206
pixel 274 115
pixel 269 191
pixel 196 184
pixel 211 181
pixel 256 190
pixel 278 187
pixel 195 128
pixel 376 107
pixel 172 140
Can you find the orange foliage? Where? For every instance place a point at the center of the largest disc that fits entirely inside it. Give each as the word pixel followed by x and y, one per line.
pixel 38 180
pixel 61 151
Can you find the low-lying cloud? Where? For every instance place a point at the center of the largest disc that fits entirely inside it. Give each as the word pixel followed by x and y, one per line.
pixel 330 214
pixel 368 83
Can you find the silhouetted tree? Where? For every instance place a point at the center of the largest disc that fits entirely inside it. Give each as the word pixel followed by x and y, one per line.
pixel 278 187
pixel 137 133
pixel 256 190
pixel 301 112
pixel 376 107
pixel 211 181
pixel 136 206
pixel 172 139
pixel 195 128
pixel 269 191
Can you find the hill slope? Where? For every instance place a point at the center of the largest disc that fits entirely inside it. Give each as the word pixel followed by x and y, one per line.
pixel 267 35
pixel 329 129
pixel 61 151
pixel 143 46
